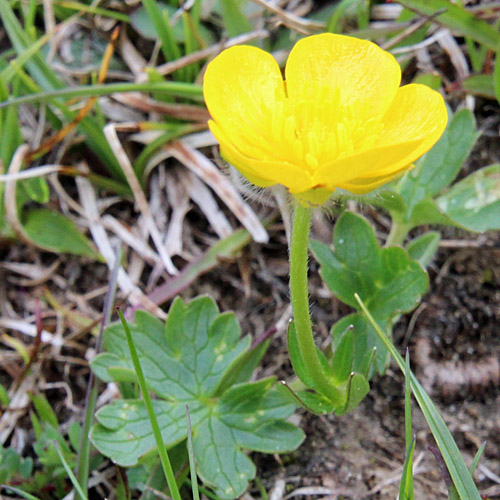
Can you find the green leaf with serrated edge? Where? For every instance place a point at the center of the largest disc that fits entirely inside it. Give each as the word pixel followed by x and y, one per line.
pixel 474 202
pixel 106 361
pixel 365 339
pixel 124 433
pixel 56 233
pixel 424 247
pixel 184 362
pixel 439 167
pixel 243 367
pixel 389 279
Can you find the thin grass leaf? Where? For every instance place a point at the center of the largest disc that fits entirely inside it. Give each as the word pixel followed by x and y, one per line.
pixel 22 493
pixel 99 11
pixel 458 20
pixel 68 470
pixel 180 89
pixel 93 385
pixel 477 457
pixel 408 419
pixel 406 490
pixel 162 450
pixel 451 454
pixel 160 19
pixel 192 463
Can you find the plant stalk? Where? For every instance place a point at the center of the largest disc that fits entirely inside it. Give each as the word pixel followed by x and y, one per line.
pixel 300 302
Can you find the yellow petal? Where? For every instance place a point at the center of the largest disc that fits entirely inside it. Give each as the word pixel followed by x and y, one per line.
pixel 365 76
pixel 416 112
pixel 366 185
pixel 241 87
pixel 262 172
pixel 411 126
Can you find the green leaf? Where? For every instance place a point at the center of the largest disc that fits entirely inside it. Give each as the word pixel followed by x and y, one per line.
pixel 56 233
pixel 406 487
pixel 482 85
pixel 358 388
pixel 439 167
pixel 389 280
pixel 365 339
pixel 391 201
pixel 235 21
pixel 191 359
pixel 342 361
pixel 447 445
pixel 424 247
pixel 36 189
pixel 44 409
pixel 458 20
pixel 474 202
pixel 141 22
pixel 496 76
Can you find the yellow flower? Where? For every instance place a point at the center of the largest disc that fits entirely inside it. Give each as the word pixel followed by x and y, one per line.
pixel 339 120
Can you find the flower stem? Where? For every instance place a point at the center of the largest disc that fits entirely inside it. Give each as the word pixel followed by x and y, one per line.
pixel 300 303
pixel 398 233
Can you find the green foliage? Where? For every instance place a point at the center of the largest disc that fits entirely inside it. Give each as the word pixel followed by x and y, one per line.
pixel 189 360
pixel 457 19
pixel 389 279
pixel 141 22
pixel 49 444
pixel 57 233
pixel 235 20
pixel 462 479
pixel 423 195
pixel 13 468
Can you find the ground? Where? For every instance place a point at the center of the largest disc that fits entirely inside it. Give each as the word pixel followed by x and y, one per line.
pixel 452 336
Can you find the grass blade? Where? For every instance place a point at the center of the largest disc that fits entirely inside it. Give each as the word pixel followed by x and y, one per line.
pixel 93 386
pixel 192 464
pixel 68 470
pixel 180 89
pixel 21 493
pixel 451 454
pixel 162 450
pixel 458 20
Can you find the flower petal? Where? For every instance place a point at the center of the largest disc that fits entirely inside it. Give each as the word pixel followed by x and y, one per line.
pixel 411 126
pixel 242 86
pixel 416 112
pixel 366 76
pixel 263 173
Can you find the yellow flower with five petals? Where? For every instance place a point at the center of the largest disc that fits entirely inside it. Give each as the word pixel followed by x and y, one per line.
pixel 339 120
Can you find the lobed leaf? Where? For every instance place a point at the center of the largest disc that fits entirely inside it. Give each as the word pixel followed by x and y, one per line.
pixel 388 278
pixel 194 358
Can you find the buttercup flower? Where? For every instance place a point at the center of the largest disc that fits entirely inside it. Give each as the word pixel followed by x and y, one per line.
pixel 339 120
